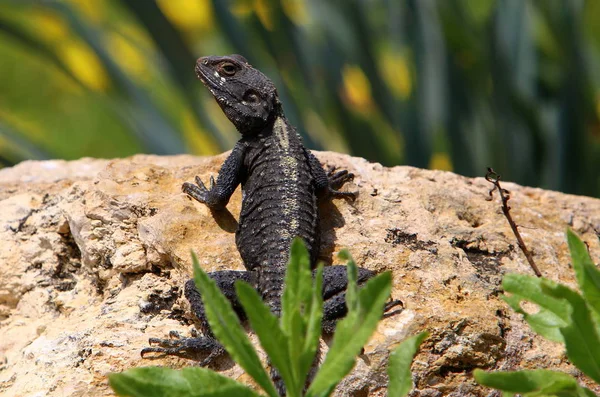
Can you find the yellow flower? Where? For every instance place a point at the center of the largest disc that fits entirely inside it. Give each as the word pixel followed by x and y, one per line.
pixel 262 9
pixel 92 10
pixel 264 14
pixel 396 73
pixel 189 15
pixel 84 64
pixel 440 161
pixel 51 26
pixel 357 89
pixel 128 55
pixel 295 10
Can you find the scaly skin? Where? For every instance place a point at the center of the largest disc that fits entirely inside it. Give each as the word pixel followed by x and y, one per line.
pixel 280 178
pixel 281 184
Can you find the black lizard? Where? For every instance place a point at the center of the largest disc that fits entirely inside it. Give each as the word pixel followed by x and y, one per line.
pixel 281 183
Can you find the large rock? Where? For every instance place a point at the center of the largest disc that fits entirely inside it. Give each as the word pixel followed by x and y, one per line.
pixel 94 254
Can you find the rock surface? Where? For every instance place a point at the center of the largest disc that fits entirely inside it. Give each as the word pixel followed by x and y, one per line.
pixel 94 254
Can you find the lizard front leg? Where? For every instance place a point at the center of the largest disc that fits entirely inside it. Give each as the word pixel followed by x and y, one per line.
pixel 327 184
pixel 219 193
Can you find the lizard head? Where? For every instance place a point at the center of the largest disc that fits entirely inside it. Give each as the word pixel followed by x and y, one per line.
pixel 248 98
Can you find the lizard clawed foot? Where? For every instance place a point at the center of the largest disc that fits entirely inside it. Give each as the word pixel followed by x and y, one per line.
pixel 345 195
pixel 198 192
pixel 185 347
pixel 336 180
pixel 390 305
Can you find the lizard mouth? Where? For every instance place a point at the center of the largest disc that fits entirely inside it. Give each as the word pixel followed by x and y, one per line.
pixel 200 74
pixel 209 78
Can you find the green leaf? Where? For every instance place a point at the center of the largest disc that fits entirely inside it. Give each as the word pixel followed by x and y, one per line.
pixel 298 282
pixel 352 289
pixel 580 336
pixel 188 382
pixel 302 311
pixel 553 314
pixel 399 365
pixel 313 326
pixel 352 333
pixel 226 326
pixel 266 326
pixel 563 316
pixel 537 382
pixel 588 276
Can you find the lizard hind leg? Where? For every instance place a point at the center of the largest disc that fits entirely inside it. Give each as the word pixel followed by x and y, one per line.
pixel 191 348
pixel 335 281
pixel 205 346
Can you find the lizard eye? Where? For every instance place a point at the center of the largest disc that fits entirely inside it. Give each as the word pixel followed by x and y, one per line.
pixel 227 69
pixel 252 97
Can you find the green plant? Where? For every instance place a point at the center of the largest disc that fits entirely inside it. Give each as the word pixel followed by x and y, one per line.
pixel 564 316
pixel 290 341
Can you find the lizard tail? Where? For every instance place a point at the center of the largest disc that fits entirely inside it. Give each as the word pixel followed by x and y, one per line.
pixel 271 283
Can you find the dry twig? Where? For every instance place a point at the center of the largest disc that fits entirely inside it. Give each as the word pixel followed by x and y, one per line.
pixel 494 178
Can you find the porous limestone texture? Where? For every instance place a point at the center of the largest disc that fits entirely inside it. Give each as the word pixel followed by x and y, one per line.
pixel 94 255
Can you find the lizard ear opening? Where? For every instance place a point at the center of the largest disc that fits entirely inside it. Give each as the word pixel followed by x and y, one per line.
pixel 252 97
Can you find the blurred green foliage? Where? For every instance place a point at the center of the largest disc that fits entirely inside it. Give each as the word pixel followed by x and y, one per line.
pixel 446 84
